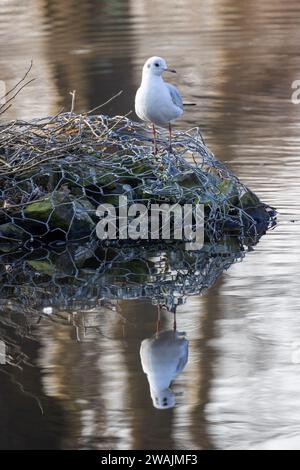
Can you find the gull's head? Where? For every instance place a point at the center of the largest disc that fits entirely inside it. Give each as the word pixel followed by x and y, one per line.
pixel 163 399
pixel 156 66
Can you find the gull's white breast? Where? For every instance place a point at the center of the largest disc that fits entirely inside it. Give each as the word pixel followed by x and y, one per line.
pixel 153 103
pixel 163 357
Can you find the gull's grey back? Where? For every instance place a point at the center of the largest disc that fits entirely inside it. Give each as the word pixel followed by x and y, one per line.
pixel 175 95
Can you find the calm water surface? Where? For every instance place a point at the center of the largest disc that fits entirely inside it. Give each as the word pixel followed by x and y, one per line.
pixel 85 387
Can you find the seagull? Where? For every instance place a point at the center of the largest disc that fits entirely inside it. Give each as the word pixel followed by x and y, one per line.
pixel 163 357
pixel 156 101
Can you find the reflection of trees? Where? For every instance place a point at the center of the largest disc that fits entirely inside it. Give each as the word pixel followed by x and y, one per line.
pixel 255 87
pixel 200 427
pixel 24 408
pixel 22 39
pixel 235 59
pixel 76 45
pixel 85 44
pixel 71 375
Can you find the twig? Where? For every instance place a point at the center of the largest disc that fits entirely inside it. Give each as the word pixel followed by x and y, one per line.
pixel 73 94
pixel 16 93
pixel 105 103
pixel 20 81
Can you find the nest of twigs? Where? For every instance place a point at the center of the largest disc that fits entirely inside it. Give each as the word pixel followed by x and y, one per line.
pixel 54 173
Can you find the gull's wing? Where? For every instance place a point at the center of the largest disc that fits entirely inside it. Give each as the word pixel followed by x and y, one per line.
pixel 175 95
pixel 182 361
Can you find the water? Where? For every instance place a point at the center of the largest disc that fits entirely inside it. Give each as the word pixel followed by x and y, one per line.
pixel 85 387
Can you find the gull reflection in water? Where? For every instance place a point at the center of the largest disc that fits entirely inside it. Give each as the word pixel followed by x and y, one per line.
pixel 163 357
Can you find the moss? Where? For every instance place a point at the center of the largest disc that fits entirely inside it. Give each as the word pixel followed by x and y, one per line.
pixel 228 191
pixel 136 270
pixel 39 210
pixel 60 211
pixel 12 231
pixel 188 179
pixel 229 245
pixel 249 199
pixel 42 266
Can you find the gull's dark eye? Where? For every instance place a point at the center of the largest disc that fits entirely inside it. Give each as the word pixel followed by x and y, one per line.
pixel 156 64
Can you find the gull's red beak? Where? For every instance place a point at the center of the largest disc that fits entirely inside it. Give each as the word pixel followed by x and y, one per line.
pixel 170 70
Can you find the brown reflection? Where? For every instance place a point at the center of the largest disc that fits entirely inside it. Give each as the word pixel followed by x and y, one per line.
pixel 71 358
pixel 29 418
pixel 201 432
pixel 83 45
pixel 260 63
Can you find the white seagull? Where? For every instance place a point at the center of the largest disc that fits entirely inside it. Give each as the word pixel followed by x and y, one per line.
pixel 156 101
pixel 163 357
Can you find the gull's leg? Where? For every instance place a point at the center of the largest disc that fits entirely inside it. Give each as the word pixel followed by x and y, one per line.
pixel 158 320
pixel 170 137
pixel 174 322
pixel 154 139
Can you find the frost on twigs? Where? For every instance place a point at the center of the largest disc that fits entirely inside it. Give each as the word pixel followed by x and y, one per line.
pixel 55 172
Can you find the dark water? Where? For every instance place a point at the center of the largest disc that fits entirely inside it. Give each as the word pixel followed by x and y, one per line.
pixel 240 387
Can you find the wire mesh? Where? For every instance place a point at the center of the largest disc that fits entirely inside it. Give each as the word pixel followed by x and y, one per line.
pixel 55 172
